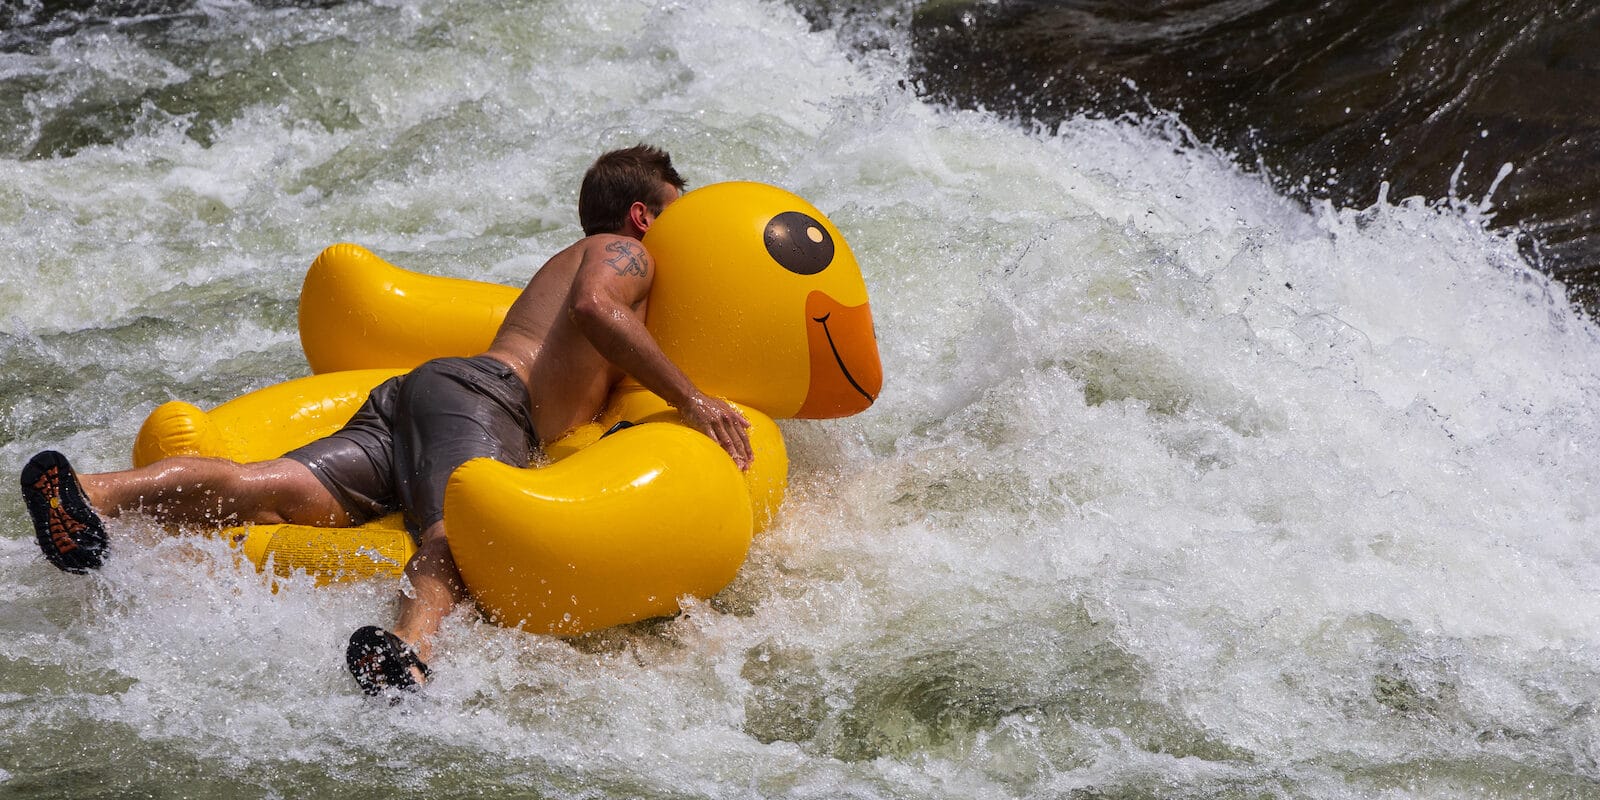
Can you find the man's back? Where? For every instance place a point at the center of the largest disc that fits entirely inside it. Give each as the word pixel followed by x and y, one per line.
pixel 567 378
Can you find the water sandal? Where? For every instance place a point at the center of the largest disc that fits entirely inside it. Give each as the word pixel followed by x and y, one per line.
pixel 380 660
pixel 68 530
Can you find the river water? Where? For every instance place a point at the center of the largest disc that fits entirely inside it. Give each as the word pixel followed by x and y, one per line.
pixel 1343 100
pixel 1181 485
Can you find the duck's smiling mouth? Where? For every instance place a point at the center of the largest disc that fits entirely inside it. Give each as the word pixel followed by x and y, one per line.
pixel 846 375
pixel 838 359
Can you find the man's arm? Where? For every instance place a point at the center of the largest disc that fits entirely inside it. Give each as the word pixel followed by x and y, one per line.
pixel 612 283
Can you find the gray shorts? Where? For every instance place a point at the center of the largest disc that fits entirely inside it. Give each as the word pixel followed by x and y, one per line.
pixel 399 449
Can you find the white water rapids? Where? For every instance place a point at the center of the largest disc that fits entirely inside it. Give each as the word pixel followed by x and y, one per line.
pixel 1175 489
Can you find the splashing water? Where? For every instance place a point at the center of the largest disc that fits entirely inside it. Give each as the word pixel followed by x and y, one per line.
pixel 1176 488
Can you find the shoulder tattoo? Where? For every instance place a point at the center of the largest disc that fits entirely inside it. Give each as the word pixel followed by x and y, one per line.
pixel 627 258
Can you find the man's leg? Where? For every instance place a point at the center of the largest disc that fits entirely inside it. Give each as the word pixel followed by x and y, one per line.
pixel 197 490
pixel 449 411
pixel 66 507
pixel 382 660
pixel 436 588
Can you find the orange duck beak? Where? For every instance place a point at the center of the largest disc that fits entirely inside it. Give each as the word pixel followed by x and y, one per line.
pixel 846 374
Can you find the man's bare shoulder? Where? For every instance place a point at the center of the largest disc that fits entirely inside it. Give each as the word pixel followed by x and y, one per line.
pixel 623 255
pixel 598 249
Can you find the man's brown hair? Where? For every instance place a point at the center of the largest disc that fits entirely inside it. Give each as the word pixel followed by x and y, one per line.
pixel 620 178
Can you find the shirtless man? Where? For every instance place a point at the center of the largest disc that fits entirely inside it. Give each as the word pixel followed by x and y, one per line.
pixel 566 341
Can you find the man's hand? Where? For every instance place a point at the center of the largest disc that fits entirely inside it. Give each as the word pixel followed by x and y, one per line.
pixel 723 423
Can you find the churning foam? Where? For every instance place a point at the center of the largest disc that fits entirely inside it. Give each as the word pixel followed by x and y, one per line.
pixel 1172 482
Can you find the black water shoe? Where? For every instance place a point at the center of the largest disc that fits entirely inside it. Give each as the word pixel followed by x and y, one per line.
pixel 380 660
pixel 69 532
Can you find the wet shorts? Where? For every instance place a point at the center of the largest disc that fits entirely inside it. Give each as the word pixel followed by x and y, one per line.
pixel 399 449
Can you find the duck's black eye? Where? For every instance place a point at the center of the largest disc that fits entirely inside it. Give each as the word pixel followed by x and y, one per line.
pixel 799 243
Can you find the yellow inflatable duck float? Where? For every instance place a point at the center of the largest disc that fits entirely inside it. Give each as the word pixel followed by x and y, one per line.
pixel 757 298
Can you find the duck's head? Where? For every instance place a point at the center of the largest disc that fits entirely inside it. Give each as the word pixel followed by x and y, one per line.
pixel 759 300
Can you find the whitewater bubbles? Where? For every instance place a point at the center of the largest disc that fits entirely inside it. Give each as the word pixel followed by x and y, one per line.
pixel 1175 487
pixel 1232 423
